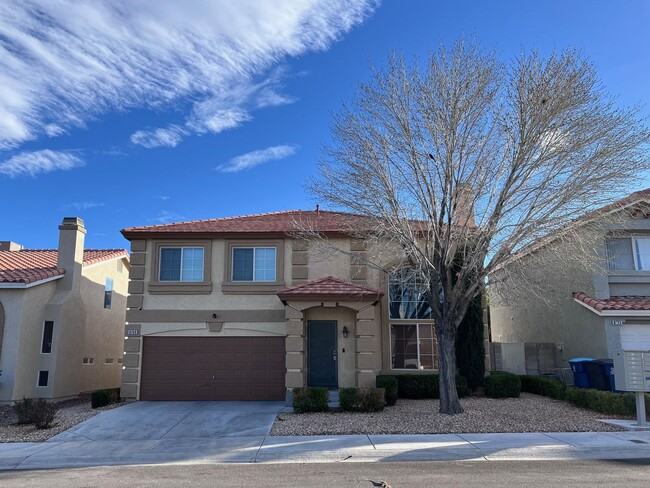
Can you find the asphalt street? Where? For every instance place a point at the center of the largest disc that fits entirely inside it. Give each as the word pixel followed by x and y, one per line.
pixel 618 473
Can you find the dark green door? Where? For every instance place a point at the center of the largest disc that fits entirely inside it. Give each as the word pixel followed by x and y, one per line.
pixel 321 354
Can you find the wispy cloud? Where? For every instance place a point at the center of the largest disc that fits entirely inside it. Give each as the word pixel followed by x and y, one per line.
pixel 255 158
pixel 53 130
pixel 165 216
pixel 63 63
pixel 37 162
pixel 162 197
pixel 81 206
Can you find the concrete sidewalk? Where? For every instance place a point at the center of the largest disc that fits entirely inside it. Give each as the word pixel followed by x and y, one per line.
pixel 315 449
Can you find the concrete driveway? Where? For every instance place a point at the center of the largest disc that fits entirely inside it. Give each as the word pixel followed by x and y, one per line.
pixel 176 420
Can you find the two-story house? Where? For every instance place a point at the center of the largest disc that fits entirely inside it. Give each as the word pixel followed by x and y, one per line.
pixel 239 309
pixel 62 315
pixel 582 315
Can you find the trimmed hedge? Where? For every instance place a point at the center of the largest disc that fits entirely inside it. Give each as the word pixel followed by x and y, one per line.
pixel 423 386
pixel 543 385
pixel 348 398
pixel 389 384
pixel 607 402
pixel 101 398
pixel 310 400
pixel 362 399
pixel 501 384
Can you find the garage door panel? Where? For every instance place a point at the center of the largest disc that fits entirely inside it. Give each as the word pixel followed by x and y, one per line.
pixel 213 368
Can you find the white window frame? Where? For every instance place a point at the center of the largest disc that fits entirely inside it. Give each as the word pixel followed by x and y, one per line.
pixel 417 323
pixel 633 248
pixel 43 337
pixel 181 280
pixel 254 248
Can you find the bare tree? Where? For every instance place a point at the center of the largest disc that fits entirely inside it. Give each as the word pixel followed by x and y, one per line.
pixel 467 155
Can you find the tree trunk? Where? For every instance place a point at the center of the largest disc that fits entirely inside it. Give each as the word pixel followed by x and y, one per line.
pixel 449 403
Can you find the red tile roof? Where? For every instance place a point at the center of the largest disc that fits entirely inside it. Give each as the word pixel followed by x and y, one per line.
pixel 632 198
pixel 274 222
pixel 330 288
pixel 616 303
pixel 31 265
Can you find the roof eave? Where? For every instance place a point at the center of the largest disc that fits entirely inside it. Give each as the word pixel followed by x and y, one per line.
pixel 130 235
pixel 334 297
pixel 614 313
pixel 23 285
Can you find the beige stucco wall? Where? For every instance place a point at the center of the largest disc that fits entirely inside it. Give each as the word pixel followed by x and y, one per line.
pixel 82 328
pixel 29 359
pixel 103 334
pixel 550 314
pixel 191 314
pixel 23 310
pixel 522 312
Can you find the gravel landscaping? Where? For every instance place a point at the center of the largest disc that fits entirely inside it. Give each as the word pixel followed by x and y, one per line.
pixel 69 414
pixel 529 413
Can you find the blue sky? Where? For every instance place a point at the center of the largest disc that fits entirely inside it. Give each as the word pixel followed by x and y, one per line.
pixel 132 113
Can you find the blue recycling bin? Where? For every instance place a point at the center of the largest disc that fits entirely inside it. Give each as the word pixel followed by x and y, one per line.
pixel 580 376
pixel 607 371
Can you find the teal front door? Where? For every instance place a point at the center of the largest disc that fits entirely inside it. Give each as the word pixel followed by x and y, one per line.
pixel 321 354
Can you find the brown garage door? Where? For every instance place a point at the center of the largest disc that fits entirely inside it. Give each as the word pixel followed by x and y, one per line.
pixel 213 368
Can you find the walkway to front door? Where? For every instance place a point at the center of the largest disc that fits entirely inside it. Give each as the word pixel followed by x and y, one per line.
pixel 321 354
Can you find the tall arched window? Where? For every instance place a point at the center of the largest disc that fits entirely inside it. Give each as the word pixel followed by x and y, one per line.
pixel 413 339
pixel 407 295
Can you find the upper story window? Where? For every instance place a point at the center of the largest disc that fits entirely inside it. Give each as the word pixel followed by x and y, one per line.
pixel 628 253
pixel 108 293
pixel 181 264
pixel 407 295
pixel 254 264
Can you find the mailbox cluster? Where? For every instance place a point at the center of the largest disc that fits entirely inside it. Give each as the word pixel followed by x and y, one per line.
pixel 632 370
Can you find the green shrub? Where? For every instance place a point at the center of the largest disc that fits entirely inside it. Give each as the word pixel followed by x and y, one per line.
pixel 461 386
pixel 543 385
pixel 348 398
pixel 426 386
pixel 310 400
pixel 362 399
pixel 606 402
pixel 101 398
pixel 389 384
pixel 501 384
pixel 372 399
pixel 23 410
pixel 43 413
pixel 418 386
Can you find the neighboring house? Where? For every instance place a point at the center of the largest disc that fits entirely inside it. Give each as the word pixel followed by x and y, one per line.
pixel 62 315
pixel 582 316
pixel 238 309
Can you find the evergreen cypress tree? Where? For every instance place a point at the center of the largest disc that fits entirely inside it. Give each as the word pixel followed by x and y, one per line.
pixel 470 350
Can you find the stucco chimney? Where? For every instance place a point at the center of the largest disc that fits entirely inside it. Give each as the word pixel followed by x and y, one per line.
pixel 10 246
pixel 72 234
